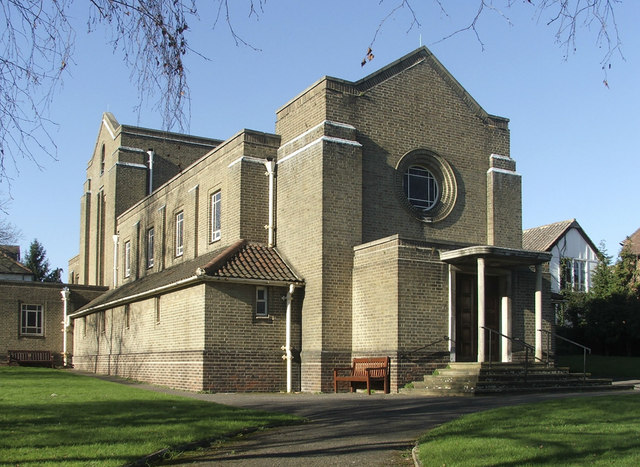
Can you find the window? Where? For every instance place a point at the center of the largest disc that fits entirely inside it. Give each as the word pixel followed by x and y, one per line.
pixel 102 322
pixel 127 316
pixel 215 216
pixel 31 320
pixel 420 187
pixel 261 301
pixel 573 274
pixel 179 233
pixel 102 160
pixel 150 248
pixel 127 259
pixel 156 304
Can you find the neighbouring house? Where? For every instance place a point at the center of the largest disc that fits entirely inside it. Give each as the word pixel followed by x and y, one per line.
pixel 32 312
pixel 632 242
pixel 574 255
pixel 382 216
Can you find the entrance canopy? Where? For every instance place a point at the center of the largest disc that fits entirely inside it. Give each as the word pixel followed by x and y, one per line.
pixel 495 257
pixel 480 260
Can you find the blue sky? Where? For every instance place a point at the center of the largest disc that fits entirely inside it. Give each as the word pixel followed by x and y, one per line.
pixel 575 141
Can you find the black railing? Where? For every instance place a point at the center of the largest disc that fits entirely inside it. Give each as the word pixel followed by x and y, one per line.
pixel 584 348
pixel 404 355
pixel 527 348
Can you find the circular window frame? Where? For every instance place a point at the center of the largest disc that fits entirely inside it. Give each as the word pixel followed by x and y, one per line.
pixel 445 178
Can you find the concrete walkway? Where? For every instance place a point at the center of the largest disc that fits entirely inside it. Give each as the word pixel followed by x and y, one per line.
pixel 343 429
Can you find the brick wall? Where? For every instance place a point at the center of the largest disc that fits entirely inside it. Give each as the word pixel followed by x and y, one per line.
pixel 14 294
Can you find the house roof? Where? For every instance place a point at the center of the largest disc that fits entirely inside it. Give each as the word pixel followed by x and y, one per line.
pixel 242 262
pixel 633 242
pixel 8 265
pixel 545 237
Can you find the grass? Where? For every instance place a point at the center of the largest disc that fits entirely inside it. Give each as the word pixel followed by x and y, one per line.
pixel 603 367
pixel 601 430
pixel 54 417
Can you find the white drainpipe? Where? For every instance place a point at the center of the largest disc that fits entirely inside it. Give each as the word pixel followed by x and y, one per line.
pixel 65 323
pixel 151 154
pixel 270 165
pixel 115 261
pixel 287 346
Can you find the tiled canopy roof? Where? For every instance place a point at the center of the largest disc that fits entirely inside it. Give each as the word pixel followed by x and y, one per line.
pixel 241 262
pixel 250 261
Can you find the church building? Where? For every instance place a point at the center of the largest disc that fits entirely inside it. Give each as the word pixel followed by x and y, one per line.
pixel 383 217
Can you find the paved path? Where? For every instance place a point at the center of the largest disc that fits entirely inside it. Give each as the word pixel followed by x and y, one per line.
pixel 343 429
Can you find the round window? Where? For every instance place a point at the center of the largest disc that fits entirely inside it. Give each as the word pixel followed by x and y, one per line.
pixel 420 187
pixel 426 185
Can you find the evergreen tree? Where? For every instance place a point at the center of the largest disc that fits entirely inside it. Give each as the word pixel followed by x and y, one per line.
pixel 37 261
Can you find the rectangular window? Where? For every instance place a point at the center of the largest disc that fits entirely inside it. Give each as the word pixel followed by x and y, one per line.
pixel 261 301
pixel 127 259
pixel 215 216
pixel 179 233
pixel 150 235
pixel 102 322
pixel 579 275
pixel 127 316
pixel 156 303
pixel 31 319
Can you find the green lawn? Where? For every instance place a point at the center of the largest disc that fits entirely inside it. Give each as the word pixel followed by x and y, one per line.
pixel 603 367
pixel 600 430
pixel 52 417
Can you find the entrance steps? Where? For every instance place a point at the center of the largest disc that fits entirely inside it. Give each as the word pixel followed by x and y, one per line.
pixel 469 379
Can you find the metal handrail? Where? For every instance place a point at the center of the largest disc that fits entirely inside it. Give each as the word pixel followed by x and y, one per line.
pixel 444 339
pixel 584 348
pixel 517 340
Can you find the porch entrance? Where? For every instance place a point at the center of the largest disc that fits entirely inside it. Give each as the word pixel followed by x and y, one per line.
pixel 467 317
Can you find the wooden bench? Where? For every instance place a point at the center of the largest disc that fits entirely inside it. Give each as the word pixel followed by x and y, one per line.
pixel 31 356
pixel 364 370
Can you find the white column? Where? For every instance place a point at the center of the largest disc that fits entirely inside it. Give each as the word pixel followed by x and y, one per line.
pixel 481 309
pixel 538 311
pixel 505 321
pixel 452 314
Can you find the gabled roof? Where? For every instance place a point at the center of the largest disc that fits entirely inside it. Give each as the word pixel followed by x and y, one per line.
pixel 8 265
pixel 242 262
pixel 545 237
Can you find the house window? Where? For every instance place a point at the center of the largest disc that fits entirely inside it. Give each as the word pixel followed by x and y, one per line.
pixel 261 302
pixel 150 235
pixel 420 187
pixel 179 233
pixel 31 318
pixel 573 274
pixel 127 259
pixel 215 216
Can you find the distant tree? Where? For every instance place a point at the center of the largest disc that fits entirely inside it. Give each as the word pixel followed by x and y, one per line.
pixel 9 233
pixel 37 261
pixel 38 37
